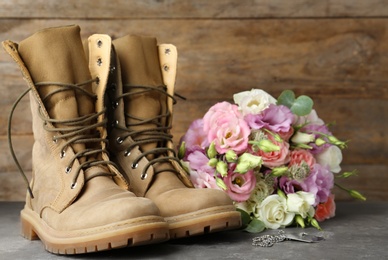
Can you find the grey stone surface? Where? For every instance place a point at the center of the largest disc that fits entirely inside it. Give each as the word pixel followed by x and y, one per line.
pixel 359 231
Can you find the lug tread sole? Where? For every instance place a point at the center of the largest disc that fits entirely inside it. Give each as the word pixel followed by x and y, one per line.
pixel 204 221
pixel 134 232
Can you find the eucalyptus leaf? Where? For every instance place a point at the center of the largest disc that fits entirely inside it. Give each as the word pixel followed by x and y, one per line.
pixel 255 226
pixel 300 106
pixel 245 218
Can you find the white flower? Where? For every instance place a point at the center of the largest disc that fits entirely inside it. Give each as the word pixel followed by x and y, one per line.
pixel 302 138
pixel 301 203
pixel 330 157
pixel 254 101
pixel 273 212
pixel 311 118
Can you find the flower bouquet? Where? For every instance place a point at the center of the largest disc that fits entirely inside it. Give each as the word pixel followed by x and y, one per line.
pixel 276 159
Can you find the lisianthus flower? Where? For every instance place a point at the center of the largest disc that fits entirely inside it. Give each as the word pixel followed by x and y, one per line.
pixel 325 210
pixel 274 118
pixel 311 118
pixel 226 127
pixel 273 212
pixel 319 182
pixel 301 203
pixel 275 158
pixel 330 157
pixel 253 102
pixel 195 136
pixel 289 185
pixel 240 186
pixel 199 161
pixel 315 130
pixel 201 179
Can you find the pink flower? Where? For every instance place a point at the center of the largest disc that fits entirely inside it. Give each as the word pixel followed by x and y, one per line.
pixel 203 179
pixel 275 118
pixel 325 210
pixel 286 135
pixel 226 127
pixel 297 157
pixel 276 158
pixel 198 161
pixel 319 182
pixel 195 136
pixel 239 185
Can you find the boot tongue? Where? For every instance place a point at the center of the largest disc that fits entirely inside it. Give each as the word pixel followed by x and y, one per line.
pixel 139 61
pixel 56 55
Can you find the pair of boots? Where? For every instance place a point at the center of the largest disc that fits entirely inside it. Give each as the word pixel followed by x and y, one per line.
pixel 104 172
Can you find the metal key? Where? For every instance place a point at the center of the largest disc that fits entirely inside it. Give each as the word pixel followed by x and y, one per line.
pixel 270 240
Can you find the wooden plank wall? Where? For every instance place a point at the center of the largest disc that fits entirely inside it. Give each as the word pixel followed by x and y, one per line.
pixel 335 51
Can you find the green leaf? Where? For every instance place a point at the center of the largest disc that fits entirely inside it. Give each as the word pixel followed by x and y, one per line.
pixel 286 98
pixel 255 226
pixel 245 218
pixel 300 106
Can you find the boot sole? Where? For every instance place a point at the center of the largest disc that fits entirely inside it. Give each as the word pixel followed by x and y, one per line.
pixel 133 232
pixel 204 221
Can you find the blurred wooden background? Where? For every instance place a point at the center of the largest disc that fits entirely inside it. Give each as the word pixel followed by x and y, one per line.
pixel 335 51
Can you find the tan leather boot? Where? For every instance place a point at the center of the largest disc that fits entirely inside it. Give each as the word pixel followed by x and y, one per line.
pixel 80 201
pixel 141 143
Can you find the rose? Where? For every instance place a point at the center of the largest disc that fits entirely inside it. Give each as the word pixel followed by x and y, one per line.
pixel 297 157
pixel 319 182
pixel 239 186
pixel 195 136
pixel 330 157
pixel 325 210
pixel 226 128
pixel 273 212
pixel 253 102
pixel 275 158
pixel 274 118
pixel 301 203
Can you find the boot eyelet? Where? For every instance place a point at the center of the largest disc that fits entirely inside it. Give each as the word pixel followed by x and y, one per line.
pixel 134 166
pixel 166 67
pixel 68 170
pixel 113 87
pixel 115 104
pixel 62 154
pixel 143 176
pixel 167 51
pixel 97 80
pixel 119 140
pixel 127 153
pixel 99 61
pixel 99 43
pixel 55 140
pixel 112 69
pixel 73 185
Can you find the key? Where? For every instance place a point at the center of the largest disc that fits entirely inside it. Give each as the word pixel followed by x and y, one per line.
pixel 270 240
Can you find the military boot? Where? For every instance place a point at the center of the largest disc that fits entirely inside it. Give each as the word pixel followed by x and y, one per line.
pixel 142 96
pixel 78 201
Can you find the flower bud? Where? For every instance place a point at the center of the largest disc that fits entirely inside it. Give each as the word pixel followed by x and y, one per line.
pixel 302 138
pixel 211 151
pixel 279 171
pixel 220 183
pixel 355 194
pixel 282 194
pixel 267 146
pixel 182 150
pixel 247 162
pixel 315 224
pixel 319 141
pixel 231 156
pixel 300 221
pixel 212 162
pixel 334 140
pixel 222 168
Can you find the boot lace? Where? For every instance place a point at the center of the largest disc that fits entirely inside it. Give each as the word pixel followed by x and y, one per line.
pixel 158 134
pixel 81 130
